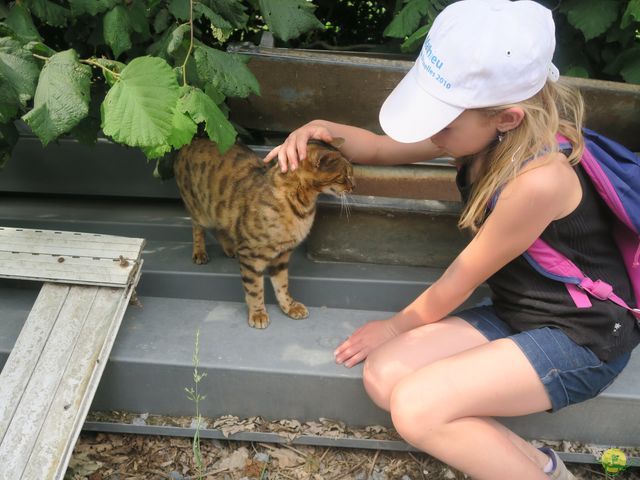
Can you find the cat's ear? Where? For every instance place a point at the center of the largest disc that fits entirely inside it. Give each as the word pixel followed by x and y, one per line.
pixel 337 142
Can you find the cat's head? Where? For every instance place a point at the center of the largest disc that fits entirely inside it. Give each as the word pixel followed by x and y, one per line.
pixel 326 169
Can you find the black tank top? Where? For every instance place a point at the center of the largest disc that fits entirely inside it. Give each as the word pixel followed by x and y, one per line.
pixel 525 299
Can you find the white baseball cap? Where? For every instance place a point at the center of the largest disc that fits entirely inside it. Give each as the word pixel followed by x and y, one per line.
pixel 478 53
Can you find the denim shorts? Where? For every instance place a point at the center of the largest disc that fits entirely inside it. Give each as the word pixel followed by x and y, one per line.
pixel 569 372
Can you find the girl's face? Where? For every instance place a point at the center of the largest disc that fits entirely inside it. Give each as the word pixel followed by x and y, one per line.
pixel 470 133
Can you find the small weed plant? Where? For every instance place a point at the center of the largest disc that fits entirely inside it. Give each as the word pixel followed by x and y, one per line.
pixel 194 395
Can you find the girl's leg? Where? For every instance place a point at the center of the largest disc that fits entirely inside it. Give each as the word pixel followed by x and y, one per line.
pixel 412 350
pixel 443 409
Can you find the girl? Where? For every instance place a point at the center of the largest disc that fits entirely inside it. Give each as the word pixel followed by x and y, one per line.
pixel 483 91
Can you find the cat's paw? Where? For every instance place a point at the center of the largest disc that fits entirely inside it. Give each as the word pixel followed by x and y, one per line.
pixel 258 319
pixel 297 310
pixel 200 258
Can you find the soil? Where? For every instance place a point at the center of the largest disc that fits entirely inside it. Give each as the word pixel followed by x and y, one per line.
pixel 108 456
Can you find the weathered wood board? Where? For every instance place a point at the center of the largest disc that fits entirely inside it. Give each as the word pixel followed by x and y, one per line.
pixel 53 371
pixel 68 257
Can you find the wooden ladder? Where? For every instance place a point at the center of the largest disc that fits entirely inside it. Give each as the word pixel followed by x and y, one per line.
pixel 53 371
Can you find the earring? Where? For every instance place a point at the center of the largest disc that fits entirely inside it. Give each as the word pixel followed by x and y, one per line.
pixel 500 136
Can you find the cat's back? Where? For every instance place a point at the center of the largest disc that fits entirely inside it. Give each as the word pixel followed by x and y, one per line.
pixel 202 157
pixel 215 185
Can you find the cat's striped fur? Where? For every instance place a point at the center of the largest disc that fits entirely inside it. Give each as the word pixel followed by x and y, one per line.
pixel 257 213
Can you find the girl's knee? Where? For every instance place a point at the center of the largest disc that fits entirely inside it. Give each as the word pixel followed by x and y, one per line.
pixel 418 413
pixel 377 381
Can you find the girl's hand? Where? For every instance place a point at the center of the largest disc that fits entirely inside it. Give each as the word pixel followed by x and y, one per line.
pixel 364 340
pixel 294 148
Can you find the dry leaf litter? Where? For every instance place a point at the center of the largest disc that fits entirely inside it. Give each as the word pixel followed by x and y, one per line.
pixel 108 456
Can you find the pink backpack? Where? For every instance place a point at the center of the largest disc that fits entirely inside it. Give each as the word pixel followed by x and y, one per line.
pixel 615 173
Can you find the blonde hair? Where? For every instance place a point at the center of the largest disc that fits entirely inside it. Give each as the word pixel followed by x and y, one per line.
pixel 555 109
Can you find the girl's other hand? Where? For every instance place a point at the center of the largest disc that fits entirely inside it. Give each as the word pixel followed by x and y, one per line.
pixel 294 149
pixel 363 341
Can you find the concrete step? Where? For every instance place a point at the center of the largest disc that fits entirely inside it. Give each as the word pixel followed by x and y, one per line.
pixel 285 371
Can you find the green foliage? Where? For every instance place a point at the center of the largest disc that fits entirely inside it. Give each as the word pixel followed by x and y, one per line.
pixel 596 38
pixel 288 19
pixel 149 73
pixel 600 39
pixel 62 96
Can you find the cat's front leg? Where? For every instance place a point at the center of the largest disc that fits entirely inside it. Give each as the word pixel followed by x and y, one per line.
pixel 279 273
pixel 199 255
pixel 252 273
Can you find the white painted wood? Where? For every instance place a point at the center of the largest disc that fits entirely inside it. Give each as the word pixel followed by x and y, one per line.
pixel 68 257
pixel 26 352
pixel 47 268
pixel 27 420
pixel 50 241
pixel 76 389
pixel 53 371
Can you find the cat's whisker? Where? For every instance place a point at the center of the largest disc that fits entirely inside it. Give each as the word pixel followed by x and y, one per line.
pixel 344 205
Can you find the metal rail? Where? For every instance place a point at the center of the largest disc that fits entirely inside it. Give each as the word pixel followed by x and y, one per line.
pixel 308 440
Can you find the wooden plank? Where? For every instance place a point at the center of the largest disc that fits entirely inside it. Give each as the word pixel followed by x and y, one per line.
pixel 53 371
pixel 81 270
pixel 28 418
pixel 54 445
pixel 27 350
pixel 69 243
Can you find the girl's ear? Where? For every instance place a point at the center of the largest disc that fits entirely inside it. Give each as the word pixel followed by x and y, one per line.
pixel 509 119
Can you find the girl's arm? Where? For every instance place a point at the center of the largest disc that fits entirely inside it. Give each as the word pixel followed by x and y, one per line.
pixel 546 191
pixel 360 146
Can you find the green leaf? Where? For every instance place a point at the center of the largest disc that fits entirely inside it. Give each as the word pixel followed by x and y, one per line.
pixel 8 139
pixel 202 109
pixel 156 151
pixel 407 20
pixel 110 66
pixel 415 40
pixel 40 48
pixel 591 17
pixel 18 69
pixel 179 9
pixel 227 72
pixel 631 14
pixel 576 71
pixel 4 11
pixel 117 30
pixel 19 20
pixel 184 128
pixel 160 47
pixel 62 96
pixel 49 12
pixel 177 36
pixel 630 65
pixel 232 10
pixel 200 10
pixel 91 7
pixel 289 19
pixel 9 104
pixel 138 19
pixel 162 21
pixel 138 110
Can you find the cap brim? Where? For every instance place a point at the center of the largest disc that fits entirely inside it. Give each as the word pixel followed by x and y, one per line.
pixel 409 114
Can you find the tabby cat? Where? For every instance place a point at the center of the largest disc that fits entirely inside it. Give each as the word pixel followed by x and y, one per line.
pixel 258 214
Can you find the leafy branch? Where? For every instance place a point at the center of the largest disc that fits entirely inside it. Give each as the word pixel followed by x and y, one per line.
pixel 156 86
